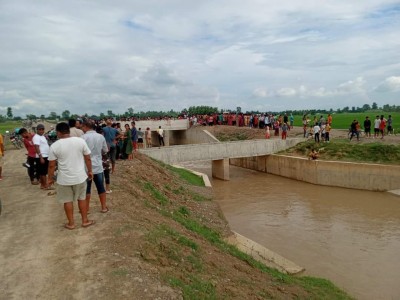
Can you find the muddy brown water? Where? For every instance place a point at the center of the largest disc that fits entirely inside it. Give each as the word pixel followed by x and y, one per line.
pixel 351 237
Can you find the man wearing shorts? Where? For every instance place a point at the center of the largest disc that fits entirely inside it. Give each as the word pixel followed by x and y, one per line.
pixel 98 146
pixel 134 137
pixel 42 152
pixel 72 155
pixel 377 124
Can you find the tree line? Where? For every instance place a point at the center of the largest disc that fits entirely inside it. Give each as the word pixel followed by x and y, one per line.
pixel 192 110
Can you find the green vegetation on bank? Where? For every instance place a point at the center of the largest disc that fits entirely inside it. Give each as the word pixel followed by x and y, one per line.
pixel 187 176
pixel 344 150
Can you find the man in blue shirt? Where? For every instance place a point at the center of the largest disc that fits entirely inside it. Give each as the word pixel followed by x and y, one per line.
pixel 134 134
pixel 111 134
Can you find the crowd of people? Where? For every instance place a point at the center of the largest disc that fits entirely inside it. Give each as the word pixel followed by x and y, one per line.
pixel 382 126
pixel 279 124
pixel 78 153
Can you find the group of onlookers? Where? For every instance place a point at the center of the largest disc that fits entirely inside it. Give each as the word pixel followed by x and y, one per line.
pixel 381 127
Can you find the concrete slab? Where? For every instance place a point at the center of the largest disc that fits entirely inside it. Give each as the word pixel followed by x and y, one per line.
pixel 395 192
pixel 264 255
pixel 206 180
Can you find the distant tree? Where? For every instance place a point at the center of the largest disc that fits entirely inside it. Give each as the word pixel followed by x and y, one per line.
pixel 202 110
pixel 102 116
pixel 9 113
pixel 130 111
pixel 53 115
pixel 374 105
pixel 387 107
pixel 110 113
pixel 42 117
pixel 66 114
pixel 345 109
pixel 31 117
pixel 366 107
pixel 17 118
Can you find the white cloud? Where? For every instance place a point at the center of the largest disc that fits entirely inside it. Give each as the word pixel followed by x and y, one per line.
pixel 286 92
pixel 390 84
pixel 93 56
pixel 352 86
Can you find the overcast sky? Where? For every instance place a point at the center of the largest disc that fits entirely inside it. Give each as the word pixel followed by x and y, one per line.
pixel 94 56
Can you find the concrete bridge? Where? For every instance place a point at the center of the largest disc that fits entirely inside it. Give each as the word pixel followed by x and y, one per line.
pixel 219 152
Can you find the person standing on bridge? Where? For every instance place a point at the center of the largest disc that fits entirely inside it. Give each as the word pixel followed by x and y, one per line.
pixel 147 135
pixel 285 129
pixel 72 155
pixel 160 133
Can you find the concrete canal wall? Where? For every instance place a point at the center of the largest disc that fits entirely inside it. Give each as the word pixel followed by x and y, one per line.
pixel 361 176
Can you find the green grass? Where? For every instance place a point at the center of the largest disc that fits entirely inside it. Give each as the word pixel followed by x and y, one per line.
pixel 344 150
pixel 195 289
pixel 9 126
pixel 156 193
pixel 187 176
pixel 343 120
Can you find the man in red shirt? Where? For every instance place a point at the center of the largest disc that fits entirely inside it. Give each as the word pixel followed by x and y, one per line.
pixel 32 159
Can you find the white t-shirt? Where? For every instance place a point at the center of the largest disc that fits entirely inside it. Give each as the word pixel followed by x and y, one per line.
pixel 377 122
pixel 69 154
pixel 160 132
pixel 41 141
pixel 73 131
pixel 316 129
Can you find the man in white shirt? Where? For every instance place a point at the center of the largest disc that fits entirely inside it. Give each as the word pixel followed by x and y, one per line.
pixel 42 152
pixel 73 130
pixel 72 155
pixel 98 146
pixel 377 124
pixel 317 130
pixel 160 133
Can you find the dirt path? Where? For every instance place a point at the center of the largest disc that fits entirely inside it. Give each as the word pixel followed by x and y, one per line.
pixel 37 254
pixel 40 259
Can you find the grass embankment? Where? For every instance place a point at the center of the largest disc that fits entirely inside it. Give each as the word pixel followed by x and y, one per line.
pixel 344 150
pixel 182 236
pixel 343 120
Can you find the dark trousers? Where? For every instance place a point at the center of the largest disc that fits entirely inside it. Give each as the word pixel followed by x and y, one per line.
pixel 32 172
pixel 161 140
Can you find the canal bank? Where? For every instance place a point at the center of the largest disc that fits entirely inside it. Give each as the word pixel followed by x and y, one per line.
pixel 363 176
pixel 348 236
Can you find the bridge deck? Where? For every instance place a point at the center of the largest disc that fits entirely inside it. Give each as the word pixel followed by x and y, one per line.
pixel 216 151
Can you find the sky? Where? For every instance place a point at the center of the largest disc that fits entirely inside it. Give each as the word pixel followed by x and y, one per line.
pixel 95 56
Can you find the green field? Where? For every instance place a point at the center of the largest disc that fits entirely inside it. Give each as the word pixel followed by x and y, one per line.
pixel 10 126
pixel 343 120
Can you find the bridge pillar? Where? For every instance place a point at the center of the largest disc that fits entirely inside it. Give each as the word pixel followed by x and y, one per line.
pixel 220 168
